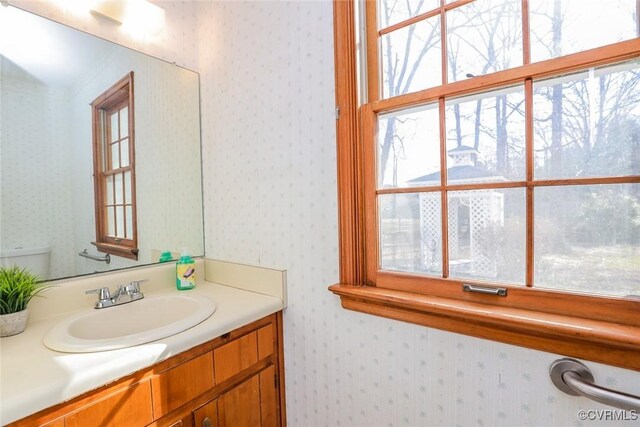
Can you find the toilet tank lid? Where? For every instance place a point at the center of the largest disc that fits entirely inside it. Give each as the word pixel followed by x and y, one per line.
pixel 20 251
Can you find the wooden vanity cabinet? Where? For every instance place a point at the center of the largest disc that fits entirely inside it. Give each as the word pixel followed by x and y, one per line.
pixel 252 402
pixel 232 381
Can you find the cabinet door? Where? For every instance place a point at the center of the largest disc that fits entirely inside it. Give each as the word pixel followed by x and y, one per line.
pixel 252 403
pixel 206 415
pixel 240 407
pixel 269 404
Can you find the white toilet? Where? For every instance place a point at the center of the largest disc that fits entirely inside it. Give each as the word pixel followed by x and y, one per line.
pixel 35 259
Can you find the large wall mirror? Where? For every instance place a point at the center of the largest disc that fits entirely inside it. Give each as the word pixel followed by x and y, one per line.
pixel 49 75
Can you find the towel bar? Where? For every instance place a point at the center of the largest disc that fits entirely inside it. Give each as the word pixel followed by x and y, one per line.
pixel 574 378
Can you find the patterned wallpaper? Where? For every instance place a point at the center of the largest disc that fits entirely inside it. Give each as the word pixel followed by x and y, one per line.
pixel 270 199
pixel 34 164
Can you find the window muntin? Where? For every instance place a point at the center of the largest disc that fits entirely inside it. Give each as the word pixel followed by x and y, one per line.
pixel 486 36
pixel 114 183
pixel 505 130
pixel 487 223
pixel 394 11
pixel 117 172
pixel 600 328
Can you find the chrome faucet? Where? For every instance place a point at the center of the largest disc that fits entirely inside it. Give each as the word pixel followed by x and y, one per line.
pixel 122 295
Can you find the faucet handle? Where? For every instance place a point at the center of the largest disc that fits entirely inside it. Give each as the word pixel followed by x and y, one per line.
pixel 103 293
pixel 134 286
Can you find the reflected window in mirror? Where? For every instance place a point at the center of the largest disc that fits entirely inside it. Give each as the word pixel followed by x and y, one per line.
pixel 114 170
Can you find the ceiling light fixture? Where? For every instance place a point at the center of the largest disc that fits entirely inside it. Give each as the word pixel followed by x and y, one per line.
pixel 111 10
pixel 140 16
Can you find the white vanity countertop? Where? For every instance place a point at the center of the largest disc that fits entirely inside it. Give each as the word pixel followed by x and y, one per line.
pixel 33 377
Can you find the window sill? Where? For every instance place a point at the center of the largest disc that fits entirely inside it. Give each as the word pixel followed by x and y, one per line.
pixel 121 251
pixel 594 340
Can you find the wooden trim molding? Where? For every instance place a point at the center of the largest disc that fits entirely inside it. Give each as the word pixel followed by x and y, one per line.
pixel 348 147
pixel 599 328
pixel 282 401
pixel 591 58
pixel 599 341
pixel 372 48
pixel 121 251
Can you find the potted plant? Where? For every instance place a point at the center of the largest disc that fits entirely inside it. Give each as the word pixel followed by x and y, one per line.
pixel 17 287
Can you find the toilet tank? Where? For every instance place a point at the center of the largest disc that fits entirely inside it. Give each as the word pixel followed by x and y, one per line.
pixel 35 259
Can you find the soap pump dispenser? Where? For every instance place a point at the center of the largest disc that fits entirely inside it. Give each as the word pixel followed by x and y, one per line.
pixel 185 272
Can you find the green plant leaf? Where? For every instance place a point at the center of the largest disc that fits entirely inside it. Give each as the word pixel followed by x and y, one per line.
pixel 17 287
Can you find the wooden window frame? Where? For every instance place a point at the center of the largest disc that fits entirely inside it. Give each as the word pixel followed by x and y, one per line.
pixel 599 328
pixel 118 95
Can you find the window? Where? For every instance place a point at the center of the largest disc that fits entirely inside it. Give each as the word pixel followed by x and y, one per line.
pixel 490 174
pixel 114 170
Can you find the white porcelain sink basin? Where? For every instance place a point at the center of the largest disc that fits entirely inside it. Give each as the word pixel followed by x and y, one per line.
pixel 126 325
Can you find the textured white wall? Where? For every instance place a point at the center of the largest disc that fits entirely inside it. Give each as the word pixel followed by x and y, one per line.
pixel 34 163
pixel 270 199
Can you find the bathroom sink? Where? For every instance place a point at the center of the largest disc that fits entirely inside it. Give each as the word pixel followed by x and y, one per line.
pixel 126 325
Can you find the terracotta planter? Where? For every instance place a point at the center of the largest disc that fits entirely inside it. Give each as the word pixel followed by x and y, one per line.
pixel 13 323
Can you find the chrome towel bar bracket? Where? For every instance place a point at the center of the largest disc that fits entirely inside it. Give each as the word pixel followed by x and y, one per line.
pixel 574 378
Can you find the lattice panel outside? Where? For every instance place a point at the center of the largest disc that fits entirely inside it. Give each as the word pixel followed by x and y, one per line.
pixel 480 205
pixel 454 204
pixel 430 232
pixel 486 216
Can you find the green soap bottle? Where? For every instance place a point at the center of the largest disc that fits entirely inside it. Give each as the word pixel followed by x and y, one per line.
pixel 165 256
pixel 185 272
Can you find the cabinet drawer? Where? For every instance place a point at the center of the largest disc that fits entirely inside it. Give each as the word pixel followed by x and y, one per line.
pixel 128 407
pixel 235 356
pixel 243 352
pixel 177 386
